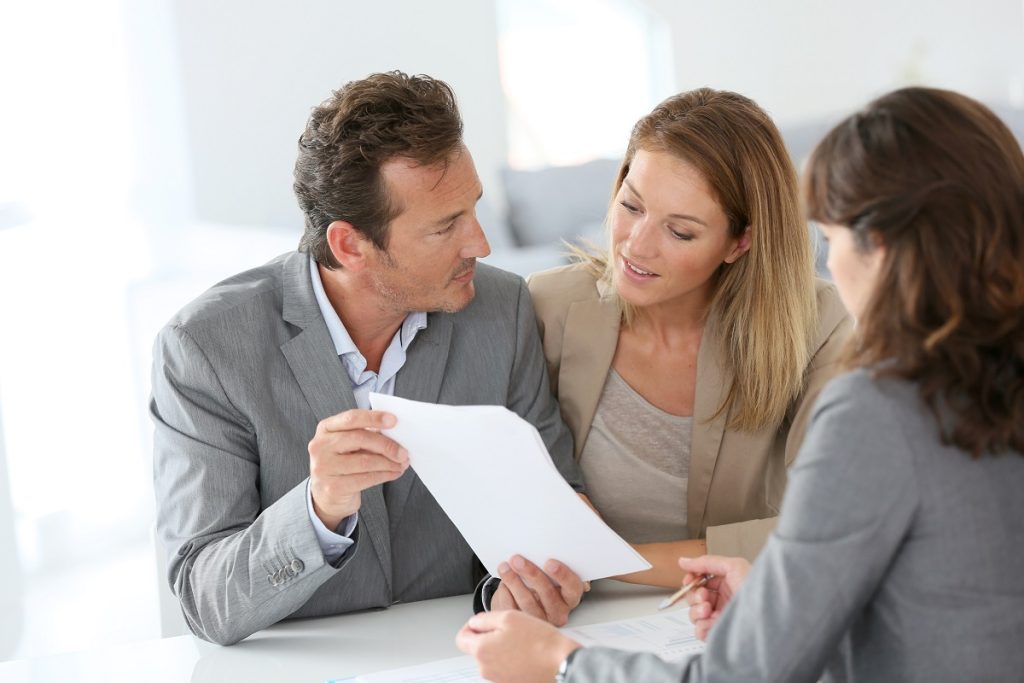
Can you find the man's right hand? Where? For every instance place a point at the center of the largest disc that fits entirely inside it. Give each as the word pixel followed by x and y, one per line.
pixel 347 455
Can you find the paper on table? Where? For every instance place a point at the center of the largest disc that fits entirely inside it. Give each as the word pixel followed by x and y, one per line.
pixel 489 471
pixel 671 636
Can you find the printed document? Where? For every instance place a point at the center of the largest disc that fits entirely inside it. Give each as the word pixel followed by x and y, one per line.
pixel 669 635
pixel 489 471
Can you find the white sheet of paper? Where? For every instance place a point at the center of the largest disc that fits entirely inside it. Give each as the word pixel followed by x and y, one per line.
pixel 489 471
pixel 671 636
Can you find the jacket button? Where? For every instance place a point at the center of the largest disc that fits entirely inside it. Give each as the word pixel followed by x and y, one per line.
pixel 297 566
pixel 272 579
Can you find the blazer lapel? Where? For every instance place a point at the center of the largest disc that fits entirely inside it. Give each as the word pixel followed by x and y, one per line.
pixel 713 381
pixel 420 380
pixel 326 386
pixel 591 335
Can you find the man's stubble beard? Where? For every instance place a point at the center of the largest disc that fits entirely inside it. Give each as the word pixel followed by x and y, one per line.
pixel 401 301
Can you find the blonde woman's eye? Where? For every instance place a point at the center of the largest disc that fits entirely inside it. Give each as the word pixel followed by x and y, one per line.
pixel 629 207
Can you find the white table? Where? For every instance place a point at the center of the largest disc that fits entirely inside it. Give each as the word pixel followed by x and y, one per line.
pixel 311 649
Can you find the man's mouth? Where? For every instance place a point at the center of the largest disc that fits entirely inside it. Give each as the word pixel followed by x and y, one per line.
pixel 466 274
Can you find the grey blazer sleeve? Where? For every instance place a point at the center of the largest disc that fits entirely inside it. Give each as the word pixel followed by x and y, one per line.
pixel 530 393
pixel 850 502
pixel 238 568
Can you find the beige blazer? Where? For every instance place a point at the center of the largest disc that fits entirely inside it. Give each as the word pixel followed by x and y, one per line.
pixel 736 478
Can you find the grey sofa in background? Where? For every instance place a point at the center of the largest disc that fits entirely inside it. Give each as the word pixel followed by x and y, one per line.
pixel 545 207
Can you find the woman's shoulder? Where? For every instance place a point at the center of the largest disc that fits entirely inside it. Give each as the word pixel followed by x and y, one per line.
pixel 863 393
pixel 558 287
pixel 834 323
pixel 831 311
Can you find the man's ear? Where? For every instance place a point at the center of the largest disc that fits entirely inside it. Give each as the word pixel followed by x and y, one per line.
pixel 348 246
pixel 741 248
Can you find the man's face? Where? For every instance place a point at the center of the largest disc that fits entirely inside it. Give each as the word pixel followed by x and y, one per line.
pixel 434 242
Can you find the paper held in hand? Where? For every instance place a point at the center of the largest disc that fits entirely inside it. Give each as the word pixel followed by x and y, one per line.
pixel 489 471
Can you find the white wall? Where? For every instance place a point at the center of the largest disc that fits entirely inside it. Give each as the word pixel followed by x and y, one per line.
pixel 804 59
pixel 252 69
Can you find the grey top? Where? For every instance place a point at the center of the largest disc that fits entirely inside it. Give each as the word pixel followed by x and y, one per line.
pixel 242 376
pixel 896 558
pixel 635 465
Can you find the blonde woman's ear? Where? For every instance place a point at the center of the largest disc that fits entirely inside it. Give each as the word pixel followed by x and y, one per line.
pixel 741 247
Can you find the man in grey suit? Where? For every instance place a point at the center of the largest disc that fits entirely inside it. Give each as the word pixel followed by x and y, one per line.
pixel 277 495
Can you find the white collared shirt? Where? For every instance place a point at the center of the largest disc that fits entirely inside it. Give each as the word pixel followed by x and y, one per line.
pixel 363 381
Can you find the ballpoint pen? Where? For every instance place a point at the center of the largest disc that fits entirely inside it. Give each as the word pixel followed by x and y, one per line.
pixel 678 595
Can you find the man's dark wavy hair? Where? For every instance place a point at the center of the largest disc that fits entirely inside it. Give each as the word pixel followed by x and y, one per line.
pixel 351 135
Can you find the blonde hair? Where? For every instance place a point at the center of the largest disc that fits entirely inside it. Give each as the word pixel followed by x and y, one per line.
pixel 764 305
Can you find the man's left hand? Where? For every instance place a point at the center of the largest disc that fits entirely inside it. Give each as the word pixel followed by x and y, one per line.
pixel 548 594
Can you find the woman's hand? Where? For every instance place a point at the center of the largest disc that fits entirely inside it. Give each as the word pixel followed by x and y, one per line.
pixel 514 647
pixel 706 603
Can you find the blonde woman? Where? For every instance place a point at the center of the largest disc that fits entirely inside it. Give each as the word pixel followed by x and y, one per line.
pixel 686 359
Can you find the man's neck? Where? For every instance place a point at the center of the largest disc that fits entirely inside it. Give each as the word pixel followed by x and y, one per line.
pixel 370 325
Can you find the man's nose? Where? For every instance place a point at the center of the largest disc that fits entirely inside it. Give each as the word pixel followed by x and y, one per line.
pixel 476 245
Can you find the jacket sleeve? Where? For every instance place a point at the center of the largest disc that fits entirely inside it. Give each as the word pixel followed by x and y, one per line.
pixel 236 568
pixel 530 393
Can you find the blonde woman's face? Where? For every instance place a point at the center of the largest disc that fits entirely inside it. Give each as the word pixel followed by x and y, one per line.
pixel 669 234
pixel 853 271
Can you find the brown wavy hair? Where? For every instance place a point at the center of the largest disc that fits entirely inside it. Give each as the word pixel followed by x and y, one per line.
pixel 351 135
pixel 764 304
pixel 939 180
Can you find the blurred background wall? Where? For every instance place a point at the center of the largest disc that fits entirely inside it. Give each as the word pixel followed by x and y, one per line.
pixel 146 152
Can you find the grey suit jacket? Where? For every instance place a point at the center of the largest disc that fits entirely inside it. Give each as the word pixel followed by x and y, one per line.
pixel 242 376
pixel 896 558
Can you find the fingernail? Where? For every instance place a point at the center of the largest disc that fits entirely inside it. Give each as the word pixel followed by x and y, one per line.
pixel 503 568
pixel 518 562
pixel 552 566
pixel 388 420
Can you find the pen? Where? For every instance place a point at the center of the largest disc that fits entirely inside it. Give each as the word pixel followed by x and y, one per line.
pixel 678 595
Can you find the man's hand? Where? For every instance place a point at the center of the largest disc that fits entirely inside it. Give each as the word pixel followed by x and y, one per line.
pixel 514 647
pixel 549 594
pixel 706 603
pixel 347 455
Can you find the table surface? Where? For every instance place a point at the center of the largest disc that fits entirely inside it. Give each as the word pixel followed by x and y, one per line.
pixel 312 649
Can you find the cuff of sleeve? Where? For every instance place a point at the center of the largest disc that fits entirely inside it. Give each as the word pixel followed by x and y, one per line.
pixel 484 592
pixel 333 544
pixel 742 539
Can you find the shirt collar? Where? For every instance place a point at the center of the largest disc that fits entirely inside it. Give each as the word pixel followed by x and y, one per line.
pixel 343 344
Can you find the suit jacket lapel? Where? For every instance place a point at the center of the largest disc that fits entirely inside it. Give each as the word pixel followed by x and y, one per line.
pixel 713 381
pixel 591 335
pixel 420 380
pixel 326 386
